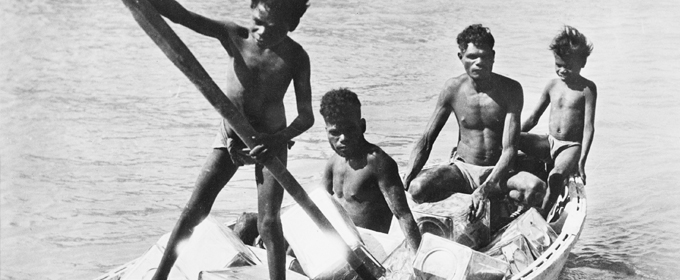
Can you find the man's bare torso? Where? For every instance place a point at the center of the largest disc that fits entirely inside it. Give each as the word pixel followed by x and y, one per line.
pixel 355 187
pixel 481 117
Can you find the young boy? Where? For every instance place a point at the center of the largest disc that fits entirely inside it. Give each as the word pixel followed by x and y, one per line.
pixel 263 61
pixel 360 175
pixel 572 115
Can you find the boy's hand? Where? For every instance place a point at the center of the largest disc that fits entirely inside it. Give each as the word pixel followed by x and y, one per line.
pixel 238 152
pixel 582 172
pixel 266 144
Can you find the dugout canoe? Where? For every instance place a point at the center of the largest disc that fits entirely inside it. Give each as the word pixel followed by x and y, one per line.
pixel 568 223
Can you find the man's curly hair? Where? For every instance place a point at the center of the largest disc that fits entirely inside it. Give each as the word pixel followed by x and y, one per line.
pixel 476 34
pixel 290 10
pixel 570 43
pixel 336 103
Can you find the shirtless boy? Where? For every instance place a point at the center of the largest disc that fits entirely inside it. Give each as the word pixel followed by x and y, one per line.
pixel 263 61
pixel 487 107
pixel 360 175
pixel 572 114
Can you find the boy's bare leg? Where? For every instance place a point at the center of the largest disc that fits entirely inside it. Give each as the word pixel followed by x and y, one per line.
pixel 269 197
pixel 438 183
pixel 216 172
pixel 566 162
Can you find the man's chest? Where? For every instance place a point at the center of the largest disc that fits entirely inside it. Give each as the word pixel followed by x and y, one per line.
pixel 354 184
pixel 480 110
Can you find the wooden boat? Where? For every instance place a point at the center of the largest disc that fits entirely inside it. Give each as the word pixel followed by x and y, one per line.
pixel 568 217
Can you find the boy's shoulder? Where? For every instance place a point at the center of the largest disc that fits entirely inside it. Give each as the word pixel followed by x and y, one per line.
pixel 590 85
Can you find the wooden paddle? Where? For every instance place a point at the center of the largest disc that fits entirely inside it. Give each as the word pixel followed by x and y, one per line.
pixel 151 22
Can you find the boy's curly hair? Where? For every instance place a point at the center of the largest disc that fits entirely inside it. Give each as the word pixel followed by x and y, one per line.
pixel 336 103
pixel 571 43
pixel 290 10
pixel 476 34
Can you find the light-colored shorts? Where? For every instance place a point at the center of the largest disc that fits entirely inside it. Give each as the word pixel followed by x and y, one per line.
pixel 475 175
pixel 557 146
pixel 223 141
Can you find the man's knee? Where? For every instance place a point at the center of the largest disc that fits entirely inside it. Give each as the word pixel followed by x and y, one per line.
pixel 417 191
pixel 535 192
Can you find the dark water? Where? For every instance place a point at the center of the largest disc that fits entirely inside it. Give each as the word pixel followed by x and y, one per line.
pixel 101 137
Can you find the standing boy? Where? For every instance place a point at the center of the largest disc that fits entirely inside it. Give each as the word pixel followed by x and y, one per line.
pixel 487 107
pixel 572 114
pixel 263 61
pixel 360 175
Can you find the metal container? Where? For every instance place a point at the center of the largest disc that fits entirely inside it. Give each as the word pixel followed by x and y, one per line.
pixel 211 246
pixel 538 233
pixel 449 219
pixel 257 272
pixel 516 252
pixel 442 259
pixel 320 255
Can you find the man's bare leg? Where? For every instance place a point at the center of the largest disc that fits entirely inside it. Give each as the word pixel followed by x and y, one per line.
pixel 526 188
pixel 216 172
pixel 438 183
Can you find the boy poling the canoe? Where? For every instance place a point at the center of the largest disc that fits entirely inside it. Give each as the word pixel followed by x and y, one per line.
pixel 263 62
pixel 361 176
pixel 572 101
pixel 487 107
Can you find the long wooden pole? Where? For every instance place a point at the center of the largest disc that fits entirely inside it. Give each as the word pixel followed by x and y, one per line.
pixel 151 22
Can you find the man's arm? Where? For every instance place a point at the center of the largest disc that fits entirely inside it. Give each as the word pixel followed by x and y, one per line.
pixel 327 177
pixel 511 130
pixel 178 14
pixel 392 189
pixel 422 149
pixel 535 115
pixel 588 129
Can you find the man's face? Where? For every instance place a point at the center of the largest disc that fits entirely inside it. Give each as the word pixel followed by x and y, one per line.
pixel 477 61
pixel 268 29
pixel 346 133
pixel 567 68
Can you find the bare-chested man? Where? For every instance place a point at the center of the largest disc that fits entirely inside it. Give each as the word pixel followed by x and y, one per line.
pixel 572 101
pixel 263 61
pixel 487 107
pixel 361 176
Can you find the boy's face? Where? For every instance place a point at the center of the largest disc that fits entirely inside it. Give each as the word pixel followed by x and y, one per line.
pixel 477 61
pixel 568 68
pixel 268 29
pixel 345 134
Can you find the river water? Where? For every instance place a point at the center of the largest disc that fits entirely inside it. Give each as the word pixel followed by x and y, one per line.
pixel 101 137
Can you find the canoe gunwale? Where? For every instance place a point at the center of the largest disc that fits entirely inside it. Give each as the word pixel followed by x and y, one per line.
pixel 550 264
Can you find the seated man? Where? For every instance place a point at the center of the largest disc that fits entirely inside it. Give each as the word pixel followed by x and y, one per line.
pixel 360 175
pixel 487 107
